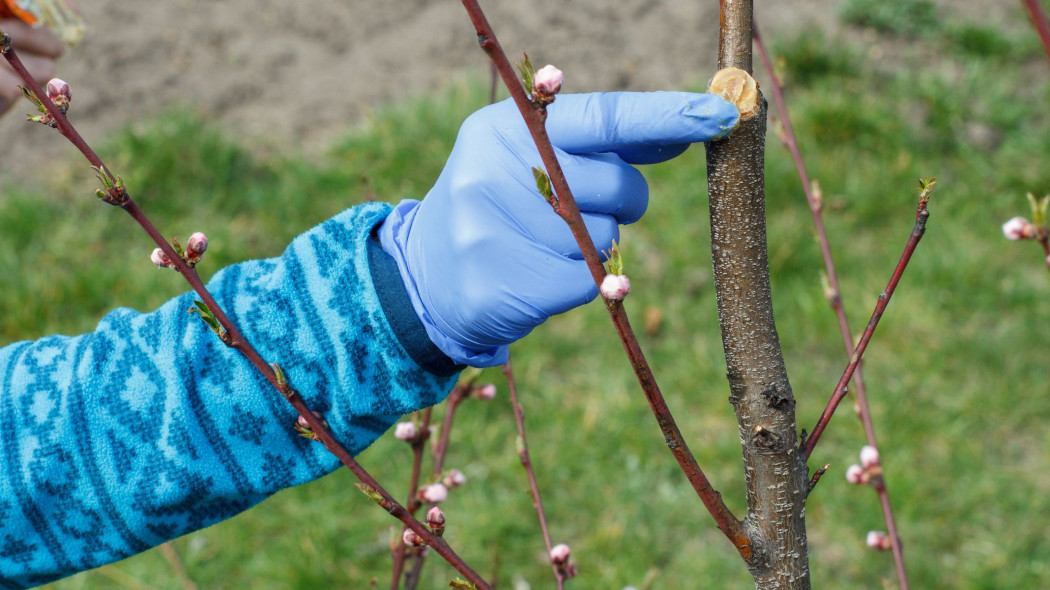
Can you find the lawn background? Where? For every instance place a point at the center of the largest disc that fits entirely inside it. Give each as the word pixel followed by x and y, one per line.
pixel 957 372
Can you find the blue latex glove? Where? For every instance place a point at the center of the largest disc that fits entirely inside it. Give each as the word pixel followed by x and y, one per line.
pixel 484 257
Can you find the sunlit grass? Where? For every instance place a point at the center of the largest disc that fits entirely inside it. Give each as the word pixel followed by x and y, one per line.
pixel 957 372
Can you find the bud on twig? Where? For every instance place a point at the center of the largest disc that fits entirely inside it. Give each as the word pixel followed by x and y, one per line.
pixel 161 259
pixel 412 539
pixel 433 493
pixel 59 93
pixel 878 540
pixel 547 81
pixel 857 475
pixel 560 559
pixel 615 287
pixel 196 247
pixel 454 478
pixel 1019 228
pixel 436 521
pixel 406 431
pixel 485 392
pixel 869 457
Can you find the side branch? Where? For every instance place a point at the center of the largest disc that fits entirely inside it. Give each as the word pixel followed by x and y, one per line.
pixel 567 209
pixel 921 215
pixel 834 295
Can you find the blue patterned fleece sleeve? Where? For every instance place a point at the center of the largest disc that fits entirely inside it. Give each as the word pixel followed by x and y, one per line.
pixel 148 428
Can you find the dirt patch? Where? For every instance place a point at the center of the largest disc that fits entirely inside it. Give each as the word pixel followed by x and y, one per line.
pixel 301 72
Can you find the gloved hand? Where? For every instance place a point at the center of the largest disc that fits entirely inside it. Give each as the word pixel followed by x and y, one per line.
pixel 484 257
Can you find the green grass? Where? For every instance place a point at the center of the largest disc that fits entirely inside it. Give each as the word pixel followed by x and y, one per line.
pixel 957 371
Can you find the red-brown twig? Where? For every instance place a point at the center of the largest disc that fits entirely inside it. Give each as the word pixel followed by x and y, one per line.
pixel 922 213
pixel 1038 16
pixel 413 503
pixel 834 298
pixel 236 339
pixel 526 462
pixel 567 209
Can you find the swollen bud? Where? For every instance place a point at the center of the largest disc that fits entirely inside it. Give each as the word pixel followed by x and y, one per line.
pixel 878 540
pixel 59 93
pixel 485 392
pixel 433 493
pixel 406 431
pixel 869 457
pixel 196 246
pixel 161 259
pixel 560 554
pixel 412 539
pixel 436 521
pixel 547 81
pixel 1019 228
pixel 454 478
pixel 615 287
pixel 855 474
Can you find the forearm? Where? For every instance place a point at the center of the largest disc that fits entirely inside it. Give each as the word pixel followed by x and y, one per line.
pixel 115 441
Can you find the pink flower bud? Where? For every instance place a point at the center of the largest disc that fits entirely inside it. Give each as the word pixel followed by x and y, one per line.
pixel 547 81
pixel 196 246
pixel 485 392
pixel 1048 261
pixel 436 520
pixel 878 540
pixel 560 554
pixel 869 457
pixel 1018 228
pixel 58 91
pixel 406 431
pixel 615 287
pixel 161 259
pixel 411 538
pixel 434 493
pixel 856 474
pixel 454 478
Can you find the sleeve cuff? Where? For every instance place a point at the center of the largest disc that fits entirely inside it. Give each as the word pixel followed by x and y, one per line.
pixel 401 316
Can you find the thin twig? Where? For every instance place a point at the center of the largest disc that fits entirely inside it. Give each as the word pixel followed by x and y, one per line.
pixel 316 425
pixel 834 296
pixel 1038 16
pixel 526 462
pixel 413 503
pixel 567 209
pixel 172 556
pixel 922 213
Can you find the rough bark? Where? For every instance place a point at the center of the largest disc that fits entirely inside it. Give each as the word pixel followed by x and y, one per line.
pixel 775 472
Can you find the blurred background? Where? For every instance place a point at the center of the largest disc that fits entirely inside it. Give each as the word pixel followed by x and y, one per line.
pixel 255 121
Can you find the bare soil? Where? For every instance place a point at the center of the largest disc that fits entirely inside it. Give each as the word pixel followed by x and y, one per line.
pixel 280 72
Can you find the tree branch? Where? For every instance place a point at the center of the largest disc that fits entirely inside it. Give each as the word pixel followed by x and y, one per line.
pixel 816 208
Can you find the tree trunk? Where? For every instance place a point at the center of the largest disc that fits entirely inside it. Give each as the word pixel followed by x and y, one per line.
pixel 775 472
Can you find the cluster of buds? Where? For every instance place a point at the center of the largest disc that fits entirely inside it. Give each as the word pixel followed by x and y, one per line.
pixel 195 248
pixel 878 540
pixel 560 555
pixel 483 392
pixel 869 472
